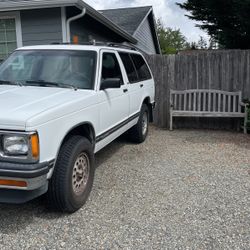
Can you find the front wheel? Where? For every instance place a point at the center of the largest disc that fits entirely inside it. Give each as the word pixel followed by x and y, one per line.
pixel 139 132
pixel 73 176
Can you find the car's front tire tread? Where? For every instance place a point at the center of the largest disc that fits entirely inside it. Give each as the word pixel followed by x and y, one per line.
pixel 60 195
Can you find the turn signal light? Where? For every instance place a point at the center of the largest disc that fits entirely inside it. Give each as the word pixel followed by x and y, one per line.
pixel 13 183
pixel 34 145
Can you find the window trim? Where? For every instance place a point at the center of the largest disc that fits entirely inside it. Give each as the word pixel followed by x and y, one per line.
pixel 15 15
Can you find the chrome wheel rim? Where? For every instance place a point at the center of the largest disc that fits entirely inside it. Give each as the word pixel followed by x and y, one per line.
pixel 80 174
pixel 145 123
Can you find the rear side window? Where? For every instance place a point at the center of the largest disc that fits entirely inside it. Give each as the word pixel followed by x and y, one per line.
pixel 141 67
pixel 129 67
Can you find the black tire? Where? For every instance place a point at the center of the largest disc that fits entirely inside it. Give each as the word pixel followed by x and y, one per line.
pixel 137 133
pixel 61 194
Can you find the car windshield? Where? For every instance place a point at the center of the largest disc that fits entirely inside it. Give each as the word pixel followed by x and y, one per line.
pixel 50 68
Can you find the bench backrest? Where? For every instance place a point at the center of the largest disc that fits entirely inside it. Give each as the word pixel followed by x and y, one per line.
pixel 203 100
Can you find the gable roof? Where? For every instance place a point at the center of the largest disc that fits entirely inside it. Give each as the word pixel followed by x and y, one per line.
pixel 131 19
pixel 128 19
pixel 12 5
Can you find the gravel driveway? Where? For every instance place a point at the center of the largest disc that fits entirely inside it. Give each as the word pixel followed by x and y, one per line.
pixel 187 189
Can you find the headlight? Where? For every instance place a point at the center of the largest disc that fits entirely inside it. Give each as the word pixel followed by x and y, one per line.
pixel 15 145
pixel 23 146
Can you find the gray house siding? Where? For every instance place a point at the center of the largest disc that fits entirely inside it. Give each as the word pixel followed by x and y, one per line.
pixel 145 38
pixel 41 26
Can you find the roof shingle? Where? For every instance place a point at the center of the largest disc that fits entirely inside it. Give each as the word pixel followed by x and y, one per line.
pixel 128 19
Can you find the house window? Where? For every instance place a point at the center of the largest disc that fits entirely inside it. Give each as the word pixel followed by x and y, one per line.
pixel 8 40
pixel 10 34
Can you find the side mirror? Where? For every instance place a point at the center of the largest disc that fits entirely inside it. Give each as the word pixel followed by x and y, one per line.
pixel 111 83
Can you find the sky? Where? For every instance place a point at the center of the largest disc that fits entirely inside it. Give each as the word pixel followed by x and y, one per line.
pixel 171 14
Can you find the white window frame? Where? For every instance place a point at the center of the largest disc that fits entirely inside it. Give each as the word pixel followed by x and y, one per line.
pixel 15 15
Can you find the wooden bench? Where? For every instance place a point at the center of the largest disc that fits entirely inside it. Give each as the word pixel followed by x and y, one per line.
pixel 206 103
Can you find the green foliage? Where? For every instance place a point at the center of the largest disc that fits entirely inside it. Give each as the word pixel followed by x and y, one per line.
pixel 248 123
pixel 202 43
pixel 248 110
pixel 226 21
pixel 171 40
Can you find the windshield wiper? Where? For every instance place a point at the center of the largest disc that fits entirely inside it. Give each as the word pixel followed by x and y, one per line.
pixel 3 82
pixel 44 83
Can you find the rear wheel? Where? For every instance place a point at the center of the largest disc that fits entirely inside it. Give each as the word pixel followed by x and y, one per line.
pixel 139 132
pixel 73 176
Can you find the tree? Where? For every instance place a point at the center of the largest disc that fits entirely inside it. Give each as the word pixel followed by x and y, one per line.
pixel 171 41
pixel 226 21
pixel 202 43
pixel 212 44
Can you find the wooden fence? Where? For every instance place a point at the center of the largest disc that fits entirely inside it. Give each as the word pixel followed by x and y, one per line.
pixel 221 70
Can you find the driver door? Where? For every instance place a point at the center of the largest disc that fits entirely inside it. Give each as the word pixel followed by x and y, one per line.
pixel 114 103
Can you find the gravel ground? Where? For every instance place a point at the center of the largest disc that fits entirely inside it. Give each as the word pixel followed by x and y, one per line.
pixel 180 190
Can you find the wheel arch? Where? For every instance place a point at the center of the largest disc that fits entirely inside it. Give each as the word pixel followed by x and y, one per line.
pixel 85 129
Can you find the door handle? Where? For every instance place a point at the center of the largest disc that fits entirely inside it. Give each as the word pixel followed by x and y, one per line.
pixel 141 85
pixel 125 90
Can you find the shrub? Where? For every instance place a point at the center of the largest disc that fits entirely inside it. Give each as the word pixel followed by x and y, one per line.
pixel 248 111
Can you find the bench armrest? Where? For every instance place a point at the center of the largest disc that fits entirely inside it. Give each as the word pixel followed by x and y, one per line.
pixel 244 104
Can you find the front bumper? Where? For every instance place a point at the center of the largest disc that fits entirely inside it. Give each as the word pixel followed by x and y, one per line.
pixel 24 170
pixel 35 175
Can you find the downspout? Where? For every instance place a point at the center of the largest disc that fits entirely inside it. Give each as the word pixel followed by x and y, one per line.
pixel 82 14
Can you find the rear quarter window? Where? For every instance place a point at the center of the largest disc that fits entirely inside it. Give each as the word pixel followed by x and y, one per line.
pixel 141 67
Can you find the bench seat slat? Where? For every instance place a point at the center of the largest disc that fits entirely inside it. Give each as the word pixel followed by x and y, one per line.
pixel 185 102
pixel 209 101
pixel 175 100
pixel 189 101
pixel 194 102
pixel 224 103
pixel 204 91
pixel 199 101
pixel 229 103
pixel 219 103
pixel 204 102
pixel 234 104
pixel 180 102
pixel 214 101
pixel 206 114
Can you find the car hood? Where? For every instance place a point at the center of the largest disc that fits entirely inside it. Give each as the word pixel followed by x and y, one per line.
pixel 19 104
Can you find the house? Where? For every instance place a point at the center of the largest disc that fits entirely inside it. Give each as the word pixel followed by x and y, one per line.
pixel 36 22
pixel 138 22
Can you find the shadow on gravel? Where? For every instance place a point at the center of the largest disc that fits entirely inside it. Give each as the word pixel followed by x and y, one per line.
pixel 14 218
pixel 106 153
pixel 212 137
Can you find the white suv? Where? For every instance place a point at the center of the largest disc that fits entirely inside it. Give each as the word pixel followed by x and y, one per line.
pixel 59 105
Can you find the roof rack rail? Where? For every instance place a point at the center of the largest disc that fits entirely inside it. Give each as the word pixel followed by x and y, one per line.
pixel 120 45
pixel 95 43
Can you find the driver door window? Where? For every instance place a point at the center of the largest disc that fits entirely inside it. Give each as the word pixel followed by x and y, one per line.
pixel 111 67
